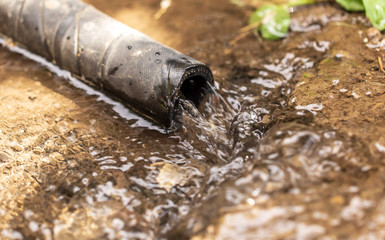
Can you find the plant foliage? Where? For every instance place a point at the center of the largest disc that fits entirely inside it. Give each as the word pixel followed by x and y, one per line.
pixel 274 21
pixel 375 11
pixel 352 5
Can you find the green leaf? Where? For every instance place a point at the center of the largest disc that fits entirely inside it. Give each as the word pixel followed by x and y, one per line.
pixel 352 5
pixel 293 3
pixel 274 19
pixel 375 11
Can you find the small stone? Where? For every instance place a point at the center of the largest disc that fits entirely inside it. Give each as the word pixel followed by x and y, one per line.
pixel 355 95
pixel 5 156
pixel 38 150
pixel 17 147
pixel 266 119
pixel 337 200
pixel 373 32
pixel 56 156
pixel 170 176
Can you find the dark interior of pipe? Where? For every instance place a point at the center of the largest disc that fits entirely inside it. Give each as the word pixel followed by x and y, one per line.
pixel 194 89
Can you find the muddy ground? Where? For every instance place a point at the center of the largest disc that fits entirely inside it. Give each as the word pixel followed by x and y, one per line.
pixel 304 154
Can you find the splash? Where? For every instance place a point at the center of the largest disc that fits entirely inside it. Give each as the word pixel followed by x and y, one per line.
pixel 206 127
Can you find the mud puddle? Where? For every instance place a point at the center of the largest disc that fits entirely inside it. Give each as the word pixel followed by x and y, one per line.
pixel 297 154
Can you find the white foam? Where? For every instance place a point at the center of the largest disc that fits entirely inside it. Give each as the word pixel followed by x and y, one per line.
pixel 380 147
pixel 313 108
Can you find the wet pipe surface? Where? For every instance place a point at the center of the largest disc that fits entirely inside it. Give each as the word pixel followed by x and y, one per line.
pixel 299 157
pixel 105 53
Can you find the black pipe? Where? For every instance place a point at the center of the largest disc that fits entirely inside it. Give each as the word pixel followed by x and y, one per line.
pixel 107 54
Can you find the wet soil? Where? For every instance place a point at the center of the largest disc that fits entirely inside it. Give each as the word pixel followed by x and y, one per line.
pixel 299 156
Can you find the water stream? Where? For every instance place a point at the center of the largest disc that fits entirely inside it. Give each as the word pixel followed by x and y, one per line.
pixel 277 151
pixel 126 192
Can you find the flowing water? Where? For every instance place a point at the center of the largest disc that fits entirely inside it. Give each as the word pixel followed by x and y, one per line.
pixel 289 146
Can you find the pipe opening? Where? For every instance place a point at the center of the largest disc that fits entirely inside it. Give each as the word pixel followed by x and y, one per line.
pixel 195 89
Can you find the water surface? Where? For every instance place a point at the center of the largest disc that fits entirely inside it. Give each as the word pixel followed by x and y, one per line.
pixel 291 147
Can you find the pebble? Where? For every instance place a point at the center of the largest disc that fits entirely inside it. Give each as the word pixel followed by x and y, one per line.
pixel 55 156
pixel 38 150
pixel 17 147
pixel 355 95
pixel 169 176
pixel 337 200
pixel 5 156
